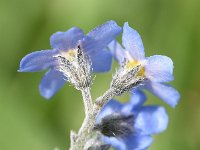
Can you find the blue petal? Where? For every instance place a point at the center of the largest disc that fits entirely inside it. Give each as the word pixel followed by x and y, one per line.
pixel 118 144
pixel 66 40
pixel 159 68
pixel 167 93
pixel 37 61
pixel 51 83
pixel 132 42
pixel 135 142
pixel 111 107
pixel 100 37
pixel 138 98
pixel 132 142
pixel 151 120
pixel 117 51
pixel 101 61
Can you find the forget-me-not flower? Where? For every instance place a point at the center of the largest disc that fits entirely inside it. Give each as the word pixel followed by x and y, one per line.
pixel 129 126
pixel 65 45
pixel 157 69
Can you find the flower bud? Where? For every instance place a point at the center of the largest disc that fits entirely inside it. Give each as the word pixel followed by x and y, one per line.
pixel 116 125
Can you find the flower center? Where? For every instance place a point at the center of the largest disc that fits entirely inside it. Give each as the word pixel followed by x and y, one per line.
pixel 70 55
pixel 132 64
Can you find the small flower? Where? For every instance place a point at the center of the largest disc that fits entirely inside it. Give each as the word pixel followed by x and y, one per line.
pixel 65 46
pixel 129 126
pixel 156 70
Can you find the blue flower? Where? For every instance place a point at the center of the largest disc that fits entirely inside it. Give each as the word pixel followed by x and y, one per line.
pixel 147 120
pixel 65 44
pixel 157 69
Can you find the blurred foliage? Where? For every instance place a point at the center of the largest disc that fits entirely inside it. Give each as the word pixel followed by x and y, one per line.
pixel 28 121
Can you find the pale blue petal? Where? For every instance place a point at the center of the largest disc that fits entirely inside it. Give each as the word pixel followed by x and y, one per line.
pixel 138 98
pixel 101 60
pixel 117 51
pixel 136 142
pixel 51 83
pixel 100 37
pixel 159 68
pixel 132 42
pixel 66 40
pixel 132 142
pixel 111 107
pixel 151 120
pixel 37 61
pixel 118 144
pixel 167 93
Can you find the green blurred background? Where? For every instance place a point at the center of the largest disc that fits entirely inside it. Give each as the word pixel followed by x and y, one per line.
pixel 29 122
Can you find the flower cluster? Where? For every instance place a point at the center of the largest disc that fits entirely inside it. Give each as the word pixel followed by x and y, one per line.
pixel 108 123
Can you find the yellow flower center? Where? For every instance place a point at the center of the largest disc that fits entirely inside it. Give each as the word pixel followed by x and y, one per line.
pixel 70 54
pixel 133 63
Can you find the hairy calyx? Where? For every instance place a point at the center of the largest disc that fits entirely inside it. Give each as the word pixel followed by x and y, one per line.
pixel 76 67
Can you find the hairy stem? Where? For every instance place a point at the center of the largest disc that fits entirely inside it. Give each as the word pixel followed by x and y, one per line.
pixel 102 100
pixel 85 132
pixel 87 100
